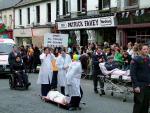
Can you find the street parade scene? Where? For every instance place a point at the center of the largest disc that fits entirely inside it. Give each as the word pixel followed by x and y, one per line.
pixel 82 56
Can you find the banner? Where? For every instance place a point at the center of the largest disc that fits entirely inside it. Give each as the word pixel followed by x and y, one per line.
pixel 55 40
pixel 87 23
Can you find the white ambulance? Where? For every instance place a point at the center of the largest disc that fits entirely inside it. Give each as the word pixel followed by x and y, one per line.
pixel 6 46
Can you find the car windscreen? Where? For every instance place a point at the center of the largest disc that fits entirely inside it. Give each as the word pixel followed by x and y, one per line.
pixel 6 48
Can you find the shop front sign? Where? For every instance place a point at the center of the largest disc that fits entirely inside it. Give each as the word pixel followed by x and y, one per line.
pixel 87 23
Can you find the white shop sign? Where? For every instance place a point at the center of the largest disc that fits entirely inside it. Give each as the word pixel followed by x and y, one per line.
pixel 55 40
pixel 87 23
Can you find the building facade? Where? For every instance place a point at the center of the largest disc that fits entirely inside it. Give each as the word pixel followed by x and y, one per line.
pixel 86 21
pixel 133 21
pixel 32 20
pixel 7 16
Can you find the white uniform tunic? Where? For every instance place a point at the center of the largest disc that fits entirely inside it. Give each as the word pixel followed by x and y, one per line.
pixel 62 62
pixel 45 73
pixel 73 78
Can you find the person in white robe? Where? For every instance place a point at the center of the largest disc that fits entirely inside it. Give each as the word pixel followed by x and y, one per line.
pixel 73 82
pixel 63 62
pixel 45 73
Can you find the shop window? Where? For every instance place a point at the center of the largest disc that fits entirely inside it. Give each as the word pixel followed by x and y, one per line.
pixel 38 14
pixel 49 12
pixel 131 33
pixel 28 15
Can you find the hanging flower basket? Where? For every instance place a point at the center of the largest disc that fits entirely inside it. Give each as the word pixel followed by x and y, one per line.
pixel 2 28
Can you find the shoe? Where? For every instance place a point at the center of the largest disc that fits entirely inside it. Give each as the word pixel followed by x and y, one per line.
pixel 96 91
pixel 78 108
pixel 42 98
pixel 72 108
pixel 18 84
pixel 29 84
pixel 102 92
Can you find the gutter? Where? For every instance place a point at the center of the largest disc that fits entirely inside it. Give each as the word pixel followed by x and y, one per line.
pixel 25 4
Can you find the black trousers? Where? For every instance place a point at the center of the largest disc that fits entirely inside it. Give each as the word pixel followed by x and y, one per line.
pixel 75 100
pixel 45 88
pixel 100 79
pixel 22 77
pixel 54 80
pixel 62 88
pixel 142 101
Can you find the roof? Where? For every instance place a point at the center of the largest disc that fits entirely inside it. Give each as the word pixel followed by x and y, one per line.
pixel 5 4
pixel 27 2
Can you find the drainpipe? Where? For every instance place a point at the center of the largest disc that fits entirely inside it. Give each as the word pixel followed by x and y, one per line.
pixel 13 18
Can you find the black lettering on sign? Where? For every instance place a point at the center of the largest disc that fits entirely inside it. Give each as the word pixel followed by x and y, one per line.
pixel 106 21
pixel 75 24
pixel 91 23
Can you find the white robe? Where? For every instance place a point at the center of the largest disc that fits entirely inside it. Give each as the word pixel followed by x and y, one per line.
pixel 62 63
pixel 45 73
pixel 73 79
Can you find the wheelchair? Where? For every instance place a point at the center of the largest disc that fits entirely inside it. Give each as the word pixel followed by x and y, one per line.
pixel 16 80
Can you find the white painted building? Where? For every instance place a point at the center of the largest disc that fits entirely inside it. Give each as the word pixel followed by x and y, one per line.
pixel 84 5
pixel 33 19
pixel 7 12
pixel 133 4
pixel 133 21
pixel 8 18
pixel 98 13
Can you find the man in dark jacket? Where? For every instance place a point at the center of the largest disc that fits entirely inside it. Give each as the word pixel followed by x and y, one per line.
pixel 97 58
pixel 140 75
pixel 36 58
pixel 12 56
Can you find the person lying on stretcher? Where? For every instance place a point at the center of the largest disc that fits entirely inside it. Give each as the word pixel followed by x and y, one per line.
pixel 111 64
pixel 57 97
pixel 111 68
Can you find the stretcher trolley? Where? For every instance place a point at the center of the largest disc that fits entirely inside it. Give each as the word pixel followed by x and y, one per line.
pixel 117 81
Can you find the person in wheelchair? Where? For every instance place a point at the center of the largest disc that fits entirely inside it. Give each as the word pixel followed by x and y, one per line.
pixel 19 73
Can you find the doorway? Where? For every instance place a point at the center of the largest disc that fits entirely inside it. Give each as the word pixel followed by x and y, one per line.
pixel 84 38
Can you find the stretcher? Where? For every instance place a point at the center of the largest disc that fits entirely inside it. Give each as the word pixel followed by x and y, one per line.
pixel 117 81
pixel 57 98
